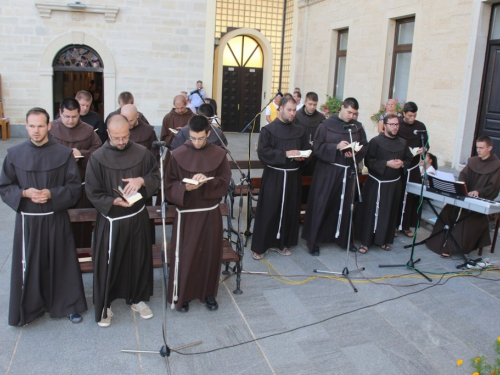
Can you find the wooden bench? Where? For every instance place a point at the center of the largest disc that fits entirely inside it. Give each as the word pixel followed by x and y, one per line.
pixel 83 215
pixel 4 124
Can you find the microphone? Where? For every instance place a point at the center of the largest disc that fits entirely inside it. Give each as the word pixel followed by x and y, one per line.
pixel 158 144
pixel 419 131
pixel 347 126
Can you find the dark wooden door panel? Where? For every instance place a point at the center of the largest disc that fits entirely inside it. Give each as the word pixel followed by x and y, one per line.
pixel 489 117
pixel 252 93
pixel 230 99
pixel 241 97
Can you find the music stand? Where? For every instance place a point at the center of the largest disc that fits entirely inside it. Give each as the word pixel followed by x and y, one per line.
pixel 345 272
pixel 411 263
pixel 248 233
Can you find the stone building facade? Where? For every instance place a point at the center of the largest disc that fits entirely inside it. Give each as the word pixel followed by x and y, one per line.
pixel 446 70
pixel 155 49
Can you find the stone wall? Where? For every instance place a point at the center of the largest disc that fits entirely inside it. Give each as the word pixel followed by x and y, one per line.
pixel 158 49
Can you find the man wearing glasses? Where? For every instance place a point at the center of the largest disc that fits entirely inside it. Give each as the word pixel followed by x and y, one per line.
pixel 123 264
pixel 197 236
pixel 70 131
pixel 409 204
pixel 387 159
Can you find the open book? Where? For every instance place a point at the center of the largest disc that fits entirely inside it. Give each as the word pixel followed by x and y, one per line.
pixel 175 131
pixel 131 199
pixel 414 150
pixel 303 154
pixel 354 146
pixel 195 182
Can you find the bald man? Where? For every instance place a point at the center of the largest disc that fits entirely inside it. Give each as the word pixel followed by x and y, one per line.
pixel 123 264
pixel 177 118
pixel 140 132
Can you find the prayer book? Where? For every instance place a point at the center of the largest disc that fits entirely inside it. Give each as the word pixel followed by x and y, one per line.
pixel 195 182
pixel 352 146
pixel 79 157
pixel 173 130
pixel 130 199
pixel 303 154
pixel 414 150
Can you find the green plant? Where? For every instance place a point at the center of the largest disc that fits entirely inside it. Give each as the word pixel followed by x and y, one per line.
pixel 482 367
pixel 382 110
pixel 331 106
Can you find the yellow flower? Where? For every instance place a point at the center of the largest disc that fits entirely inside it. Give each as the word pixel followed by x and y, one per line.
pixel 477 360
pixel 475 373
pixel 499 339
pixel 460 362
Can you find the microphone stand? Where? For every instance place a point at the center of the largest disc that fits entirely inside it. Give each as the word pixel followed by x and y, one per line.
pixel 248 179
pixel 164 350
pixel 345 272
pixel 243 178
pixel 411 263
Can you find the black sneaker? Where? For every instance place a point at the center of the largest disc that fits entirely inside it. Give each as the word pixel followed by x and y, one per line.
pixel 185 307
pixel 315 251
pixel 75 318
pixel 211 303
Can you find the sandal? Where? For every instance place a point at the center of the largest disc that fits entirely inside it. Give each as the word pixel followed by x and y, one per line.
pixel 285 252
pixel 445 255
pixel 408 233
pixel 257 256
pixel 363 249
pixel 396 233
pixel 386 247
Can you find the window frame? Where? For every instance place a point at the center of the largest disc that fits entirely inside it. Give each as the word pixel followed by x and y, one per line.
pixel 339 53
pixel 397 49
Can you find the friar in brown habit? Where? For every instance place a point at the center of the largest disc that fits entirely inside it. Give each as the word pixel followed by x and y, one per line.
pixel 328 206
pixel 40 181
pixel 278 208
pixel 140 132
pixel 409 202
pixel 195 259
pixel 123 263
pixel 482 178
pixel 387 159
pixel 70 131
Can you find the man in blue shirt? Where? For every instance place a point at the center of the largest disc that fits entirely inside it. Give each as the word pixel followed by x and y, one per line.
pixel 196 96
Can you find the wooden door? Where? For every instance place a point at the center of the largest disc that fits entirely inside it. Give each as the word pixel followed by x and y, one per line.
pixel 241 97
pixel 489 117
pixel 242 75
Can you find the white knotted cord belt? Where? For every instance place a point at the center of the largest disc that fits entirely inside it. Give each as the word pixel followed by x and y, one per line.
pixel 23 214
pixel 285 171
pixel 175 291
pixel 113 219
pixel 378 197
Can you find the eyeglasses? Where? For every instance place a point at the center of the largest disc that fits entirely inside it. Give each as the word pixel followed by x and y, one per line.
pixel 202 139
pixel 66 117
pixel 397 124
pixel 117 139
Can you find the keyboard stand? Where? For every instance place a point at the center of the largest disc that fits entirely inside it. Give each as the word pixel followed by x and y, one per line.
pixel 448 230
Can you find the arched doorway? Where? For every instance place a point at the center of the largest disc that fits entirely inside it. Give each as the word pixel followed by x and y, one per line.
pixel 78 67
pixel 242 75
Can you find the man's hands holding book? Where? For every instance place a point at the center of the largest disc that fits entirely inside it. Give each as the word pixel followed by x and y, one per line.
pixel 200 177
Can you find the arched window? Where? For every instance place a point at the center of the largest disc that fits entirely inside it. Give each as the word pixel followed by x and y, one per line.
pixel 78 57
pixel 243 51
